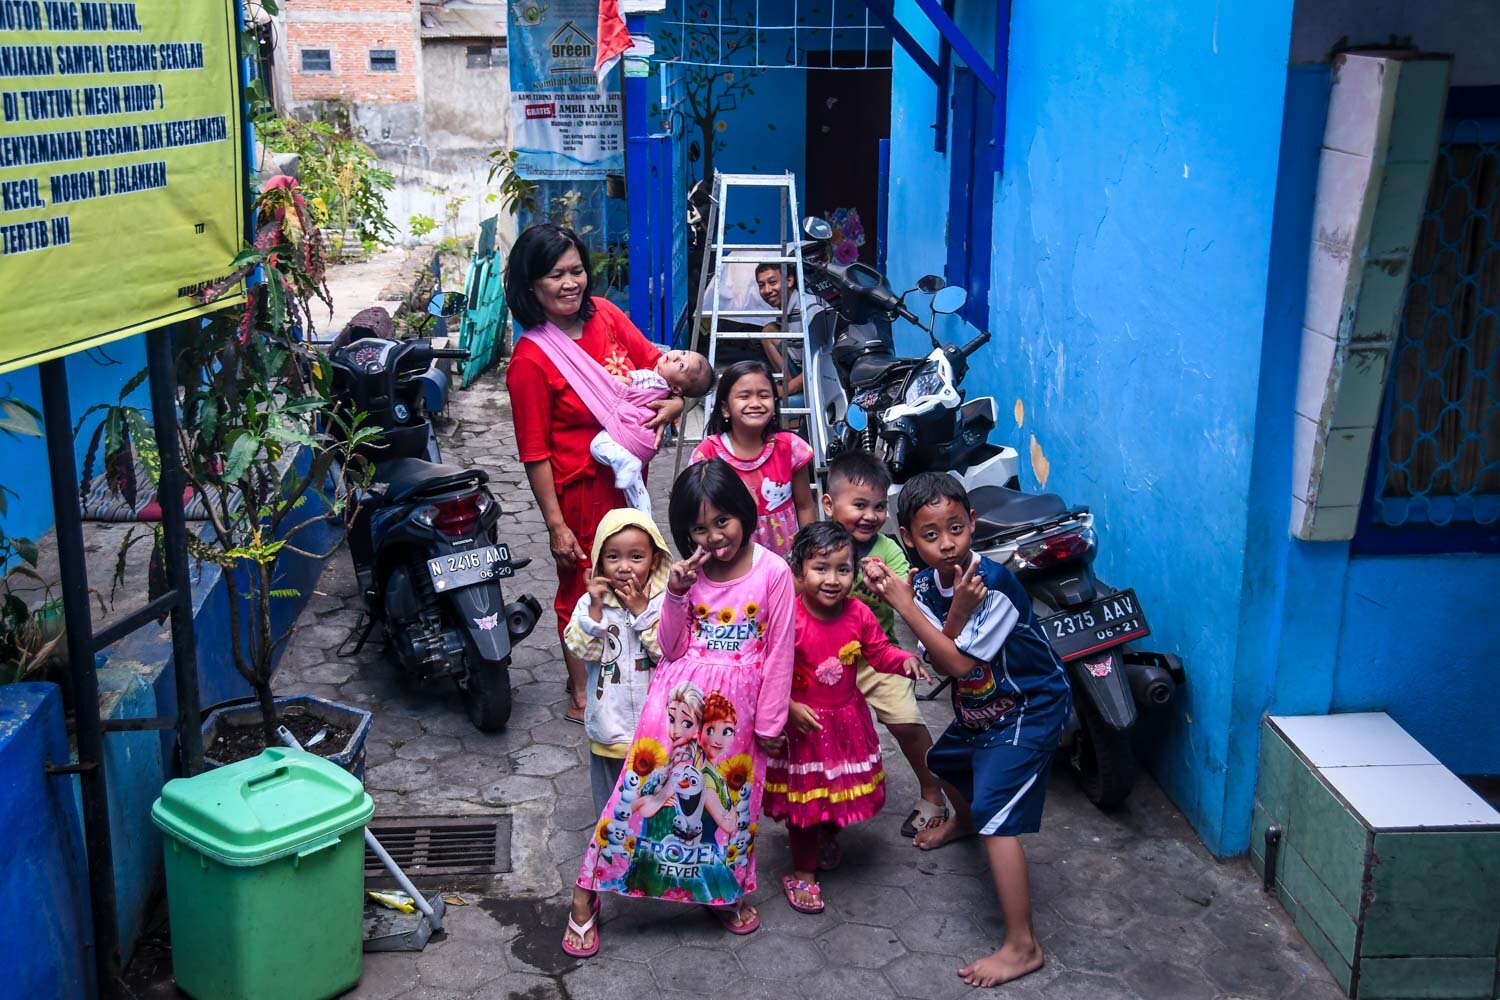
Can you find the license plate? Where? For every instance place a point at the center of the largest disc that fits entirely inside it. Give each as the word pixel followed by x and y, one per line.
pixel 464 569
pixel 1107 622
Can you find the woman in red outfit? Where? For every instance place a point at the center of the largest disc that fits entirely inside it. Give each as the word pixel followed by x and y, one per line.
pixel 547 279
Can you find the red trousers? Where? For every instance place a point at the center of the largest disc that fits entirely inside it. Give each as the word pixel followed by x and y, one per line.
pixel 583 503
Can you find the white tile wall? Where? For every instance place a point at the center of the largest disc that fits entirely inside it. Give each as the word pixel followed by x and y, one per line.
pixel 1384 116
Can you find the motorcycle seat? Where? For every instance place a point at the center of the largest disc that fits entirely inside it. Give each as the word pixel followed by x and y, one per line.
pixel 409 477
pixel 870 368
pixel 998 510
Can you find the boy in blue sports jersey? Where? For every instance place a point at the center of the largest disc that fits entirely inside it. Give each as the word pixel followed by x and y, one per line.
pixel 1010 700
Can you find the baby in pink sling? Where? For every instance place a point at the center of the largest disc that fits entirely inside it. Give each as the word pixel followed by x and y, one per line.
pixel 622 405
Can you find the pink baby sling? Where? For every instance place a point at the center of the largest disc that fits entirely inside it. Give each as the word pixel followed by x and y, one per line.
pixel 621 409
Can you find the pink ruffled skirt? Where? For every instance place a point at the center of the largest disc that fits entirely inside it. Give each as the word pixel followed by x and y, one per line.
pixel 831 775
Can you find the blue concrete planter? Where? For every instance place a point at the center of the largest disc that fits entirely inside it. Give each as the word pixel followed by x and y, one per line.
pixel 45 948
pixel 351 757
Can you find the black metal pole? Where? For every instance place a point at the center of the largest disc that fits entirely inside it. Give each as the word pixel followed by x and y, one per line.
pixel 161 366
pixel 63 470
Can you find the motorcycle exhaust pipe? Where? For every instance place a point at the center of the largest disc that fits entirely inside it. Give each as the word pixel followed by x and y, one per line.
pixel 1150 683
pixel 521 617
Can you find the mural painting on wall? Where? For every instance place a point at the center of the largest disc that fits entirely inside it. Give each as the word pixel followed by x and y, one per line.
pixel 708 95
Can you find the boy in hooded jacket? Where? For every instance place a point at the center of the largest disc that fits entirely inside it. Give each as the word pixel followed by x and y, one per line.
pixel 613 630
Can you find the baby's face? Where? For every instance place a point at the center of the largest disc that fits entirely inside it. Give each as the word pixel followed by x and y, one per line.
pixel 685 371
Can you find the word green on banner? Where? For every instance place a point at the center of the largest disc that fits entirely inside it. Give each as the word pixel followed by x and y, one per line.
pixel 122 174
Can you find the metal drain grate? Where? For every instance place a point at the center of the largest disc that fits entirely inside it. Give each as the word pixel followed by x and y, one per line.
pixel 442 845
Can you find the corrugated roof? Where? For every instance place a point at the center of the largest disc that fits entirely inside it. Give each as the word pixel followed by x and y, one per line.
pixel 463 20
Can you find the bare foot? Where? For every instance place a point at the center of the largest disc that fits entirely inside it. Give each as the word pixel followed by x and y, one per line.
pixel 574 712
pixel 1010 962
pixel 943 834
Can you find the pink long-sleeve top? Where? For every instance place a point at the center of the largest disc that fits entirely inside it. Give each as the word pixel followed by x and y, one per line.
pixel 747 623
pixel 828 652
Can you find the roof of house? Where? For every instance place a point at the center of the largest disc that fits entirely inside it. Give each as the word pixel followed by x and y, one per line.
pixel 463 19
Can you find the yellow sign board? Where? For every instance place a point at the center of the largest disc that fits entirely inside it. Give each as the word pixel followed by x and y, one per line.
pixel 122 175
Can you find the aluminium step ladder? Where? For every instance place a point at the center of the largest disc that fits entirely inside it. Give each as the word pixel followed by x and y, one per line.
pixel 788 255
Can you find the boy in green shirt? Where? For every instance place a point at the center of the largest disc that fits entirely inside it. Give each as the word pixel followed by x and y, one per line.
pixel 858 484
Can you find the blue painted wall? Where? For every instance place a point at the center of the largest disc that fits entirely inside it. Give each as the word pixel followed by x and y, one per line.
pixel 44 949
pixel 1129 294
pixel 95 376
pixel 1418 641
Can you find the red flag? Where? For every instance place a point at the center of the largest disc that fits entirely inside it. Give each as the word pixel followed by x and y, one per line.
pixel 614 39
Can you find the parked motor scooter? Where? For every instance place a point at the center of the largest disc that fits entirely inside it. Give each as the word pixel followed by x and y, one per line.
pixel 1050 546
pixel 909 411
pixel 422 534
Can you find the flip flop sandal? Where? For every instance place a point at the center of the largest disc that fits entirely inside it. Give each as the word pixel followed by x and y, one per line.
pixel 726 915
pixel 790 887
pixel 582 930
pixel 926 814
pixel 830 855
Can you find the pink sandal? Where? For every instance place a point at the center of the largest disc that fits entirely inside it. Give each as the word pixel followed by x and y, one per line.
pixel 790 886
pixel 726 915
pixel 582 930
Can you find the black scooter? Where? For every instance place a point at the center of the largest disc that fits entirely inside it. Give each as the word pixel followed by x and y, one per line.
pixel 422 534
pixel 912 412
pixel 1051 547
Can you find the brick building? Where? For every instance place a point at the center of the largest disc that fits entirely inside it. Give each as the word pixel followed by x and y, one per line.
pixel 365 53
pixel 425 81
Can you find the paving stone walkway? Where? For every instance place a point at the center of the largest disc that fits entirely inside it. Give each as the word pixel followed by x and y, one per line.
pixel 1128 905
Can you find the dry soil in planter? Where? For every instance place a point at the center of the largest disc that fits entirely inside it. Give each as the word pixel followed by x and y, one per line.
pixel 241 742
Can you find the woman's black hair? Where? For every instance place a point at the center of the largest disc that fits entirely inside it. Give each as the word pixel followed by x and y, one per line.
pixel 718 421
pixel 713 482
pixel 817 539
pixel 929 488
pixel 536 253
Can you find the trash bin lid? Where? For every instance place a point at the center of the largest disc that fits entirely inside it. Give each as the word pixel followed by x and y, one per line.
pixel 263 808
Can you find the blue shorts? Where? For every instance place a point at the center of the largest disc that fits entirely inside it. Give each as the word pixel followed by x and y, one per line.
pixel 1005 785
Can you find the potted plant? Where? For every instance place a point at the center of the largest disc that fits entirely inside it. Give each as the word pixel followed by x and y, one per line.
pixel 270 458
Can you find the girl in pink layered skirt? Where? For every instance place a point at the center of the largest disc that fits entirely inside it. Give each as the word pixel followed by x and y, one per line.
pixel 831 776
pixel 681 824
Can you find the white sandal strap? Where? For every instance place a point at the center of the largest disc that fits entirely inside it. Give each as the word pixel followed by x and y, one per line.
pixel 582 931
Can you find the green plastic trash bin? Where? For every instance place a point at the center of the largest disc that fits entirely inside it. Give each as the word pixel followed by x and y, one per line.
pixel 265 877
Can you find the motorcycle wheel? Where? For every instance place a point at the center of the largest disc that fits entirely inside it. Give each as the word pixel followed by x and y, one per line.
pixel 1102 758
pixel 485 690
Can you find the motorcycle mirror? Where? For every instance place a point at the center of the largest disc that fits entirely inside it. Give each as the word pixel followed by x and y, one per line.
pixel 818 229
pixel 949 300
pixel 445 304
pixel 931 283
pixel 855 418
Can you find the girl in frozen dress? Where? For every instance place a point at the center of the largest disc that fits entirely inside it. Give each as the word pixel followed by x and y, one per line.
pixel 726 637
pixel 745 431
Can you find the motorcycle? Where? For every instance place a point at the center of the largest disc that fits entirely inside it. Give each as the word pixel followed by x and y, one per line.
pixel 422 534
pixel 1092 627
pixel 909 411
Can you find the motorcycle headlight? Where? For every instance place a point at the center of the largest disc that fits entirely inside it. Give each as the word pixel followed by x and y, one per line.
pixel 927 381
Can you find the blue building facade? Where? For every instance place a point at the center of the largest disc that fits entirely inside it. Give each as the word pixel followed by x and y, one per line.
pixel 1146 254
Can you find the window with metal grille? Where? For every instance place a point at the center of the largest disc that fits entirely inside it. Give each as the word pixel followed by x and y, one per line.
pixel 485 56
pixel 382 60
pixel 317 61
pixel 1435 478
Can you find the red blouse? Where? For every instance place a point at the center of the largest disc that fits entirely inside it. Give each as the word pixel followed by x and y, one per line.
pixel 551 421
